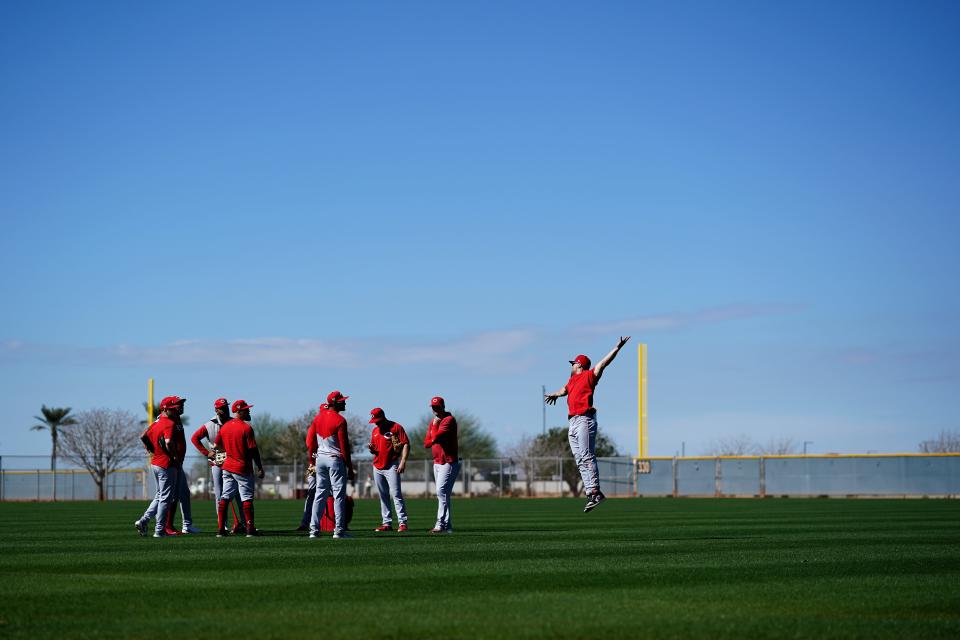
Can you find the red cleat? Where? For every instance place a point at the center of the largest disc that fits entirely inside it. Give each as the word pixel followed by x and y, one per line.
pixel 384 527
pixel 171 532
pixel 401 528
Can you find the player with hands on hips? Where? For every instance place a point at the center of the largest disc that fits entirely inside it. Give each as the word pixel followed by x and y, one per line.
pixel 582 417
pixel 390 446
pixel 334 466
pixel 208 431
pixel 442 441
pixel 237 439
pixel 157 439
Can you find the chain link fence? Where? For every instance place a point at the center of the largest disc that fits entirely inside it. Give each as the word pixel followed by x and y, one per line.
pixel 30 478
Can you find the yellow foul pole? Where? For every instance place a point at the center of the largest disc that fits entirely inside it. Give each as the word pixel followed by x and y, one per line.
pixel 642 400
pixel 149 401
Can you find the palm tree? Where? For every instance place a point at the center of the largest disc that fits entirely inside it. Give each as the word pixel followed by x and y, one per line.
pixel 53 418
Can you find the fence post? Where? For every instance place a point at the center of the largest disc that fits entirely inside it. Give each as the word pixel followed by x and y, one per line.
pixel 716 478
pixel 674 477
pixel 426 478
pixel 763 477
pixel 560 475
pixel 3 477
pixel 38 485
pixel 73 485
pixel 499 490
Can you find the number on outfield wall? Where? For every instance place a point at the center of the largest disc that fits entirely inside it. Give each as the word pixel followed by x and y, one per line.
pixel 643 466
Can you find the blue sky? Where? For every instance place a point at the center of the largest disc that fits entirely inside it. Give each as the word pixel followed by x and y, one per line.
pixel 407 199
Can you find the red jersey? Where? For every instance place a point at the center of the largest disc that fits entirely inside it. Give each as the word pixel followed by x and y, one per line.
pixel 580 388
pixel 332 439
pixel 162 428
pixel 236 438
pixel 179 444
pixel 380 440
pixel 442 439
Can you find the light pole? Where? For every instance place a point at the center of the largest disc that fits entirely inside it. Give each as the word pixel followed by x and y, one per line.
pixel 805 443
pixel 543 425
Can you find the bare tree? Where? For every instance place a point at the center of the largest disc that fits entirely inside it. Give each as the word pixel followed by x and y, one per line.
pixel 779 446
pixel 946 442
pixel 101 441
pixel 521 457
pixel 739 445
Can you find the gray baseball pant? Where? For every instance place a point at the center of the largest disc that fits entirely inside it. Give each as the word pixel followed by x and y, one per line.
pixel 166 487
pixel 445 476
pixel 308 503
pixel 216 474
pixel 238 483
pixel 388 485
pixel 331 480
pixel 183 497
pixel 583 444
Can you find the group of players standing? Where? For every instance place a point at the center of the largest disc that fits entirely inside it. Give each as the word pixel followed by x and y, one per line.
pixel 232 451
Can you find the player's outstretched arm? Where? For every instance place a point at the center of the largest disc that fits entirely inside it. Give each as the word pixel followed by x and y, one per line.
pixel 551 398
pixel 607 359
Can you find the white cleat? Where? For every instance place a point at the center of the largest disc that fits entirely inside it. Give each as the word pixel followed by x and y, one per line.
pixel 159 534
pixel 190 529
pixel 141 527
pixel 340 535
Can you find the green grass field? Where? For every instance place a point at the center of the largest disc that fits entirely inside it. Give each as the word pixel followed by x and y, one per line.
pixel 634 568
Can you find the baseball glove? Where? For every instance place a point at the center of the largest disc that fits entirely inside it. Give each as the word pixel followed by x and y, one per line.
pixel 309 472
pixel 397 445
pixel 219 457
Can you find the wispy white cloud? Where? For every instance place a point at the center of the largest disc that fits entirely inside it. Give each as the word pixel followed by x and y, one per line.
pixel 482 350
pixel 684 320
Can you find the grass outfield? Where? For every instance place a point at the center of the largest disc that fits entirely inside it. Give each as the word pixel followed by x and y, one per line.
pixel 634 568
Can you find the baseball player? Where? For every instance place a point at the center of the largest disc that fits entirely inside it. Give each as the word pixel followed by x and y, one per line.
pixel 158 441
pixel 583 419
pixel 311 443
pixel 208 431
pixel 442 441
pixel 237 440
pixel 333 464
pixel 182 493
pixel 390 446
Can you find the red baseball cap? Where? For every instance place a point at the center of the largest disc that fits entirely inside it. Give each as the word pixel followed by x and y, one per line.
pixel 170 401
pixel 436 401
pixel 581 360
pixel 220 402
pixel 335 396
pixel 240 405
pixel 376 415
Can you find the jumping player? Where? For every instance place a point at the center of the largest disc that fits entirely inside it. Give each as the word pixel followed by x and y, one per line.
pixel 208 431
pixel 390 446
pixel 157 440
pixel 237 440
pixel 442 441
pixel 311 443
pixel 333 464
pixel 582 417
